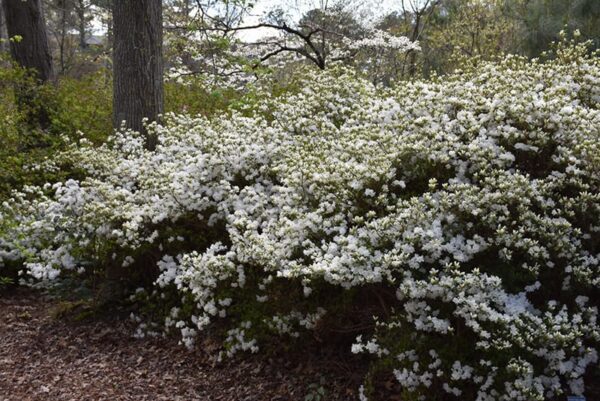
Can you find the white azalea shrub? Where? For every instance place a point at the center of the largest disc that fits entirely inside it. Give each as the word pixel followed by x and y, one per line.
pixel 454 224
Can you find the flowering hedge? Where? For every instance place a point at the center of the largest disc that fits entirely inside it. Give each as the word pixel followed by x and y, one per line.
pixel 469 205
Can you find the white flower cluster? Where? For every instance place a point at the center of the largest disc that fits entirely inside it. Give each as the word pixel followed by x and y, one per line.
pixel 382 39
pixel 475 199
pixel 285 324
pixel 237 340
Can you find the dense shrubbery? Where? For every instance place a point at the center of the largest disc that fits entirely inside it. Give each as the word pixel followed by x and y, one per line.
pixel 464 214
pixel 18 135
pixel 38 120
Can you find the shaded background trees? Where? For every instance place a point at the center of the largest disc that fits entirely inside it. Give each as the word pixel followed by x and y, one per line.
pixel 542 20
pixel 81 33
pixel 69 25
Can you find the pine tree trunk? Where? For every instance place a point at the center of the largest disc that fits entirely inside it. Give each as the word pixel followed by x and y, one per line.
pixel 25 18
pixel 137 64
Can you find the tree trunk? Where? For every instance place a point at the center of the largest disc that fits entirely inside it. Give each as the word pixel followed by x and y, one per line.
pixel 137 64
pixel 3 33
pixel 62 35
pixel 81 23
pixel 25 18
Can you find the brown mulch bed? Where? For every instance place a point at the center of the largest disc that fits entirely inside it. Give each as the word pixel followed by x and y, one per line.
pixel 43 357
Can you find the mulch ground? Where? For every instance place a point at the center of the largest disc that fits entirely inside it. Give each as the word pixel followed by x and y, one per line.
pixel 43 357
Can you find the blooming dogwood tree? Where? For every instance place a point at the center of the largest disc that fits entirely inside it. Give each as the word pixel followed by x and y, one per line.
pixel 322 37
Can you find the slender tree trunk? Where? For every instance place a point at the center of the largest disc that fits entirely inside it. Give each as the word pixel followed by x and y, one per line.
pixel 110 37
pixel 412 55
pixel 81 23
pixel 25 18
pixel 137 64
pixel 62 39
pixel 3 33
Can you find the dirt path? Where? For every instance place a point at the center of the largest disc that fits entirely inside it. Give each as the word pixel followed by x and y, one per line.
pixel 44 358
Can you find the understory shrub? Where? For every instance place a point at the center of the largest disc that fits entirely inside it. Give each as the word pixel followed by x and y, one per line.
pixel 84 107
pixel 66 108
pixel 451 226
pixel 22 101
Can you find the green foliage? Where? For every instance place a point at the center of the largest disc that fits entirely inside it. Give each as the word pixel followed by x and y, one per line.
pixel 465 30
pixel 22 140
pixel 84 105
pixel 196 98
pixel 5 282
pixel 452 32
